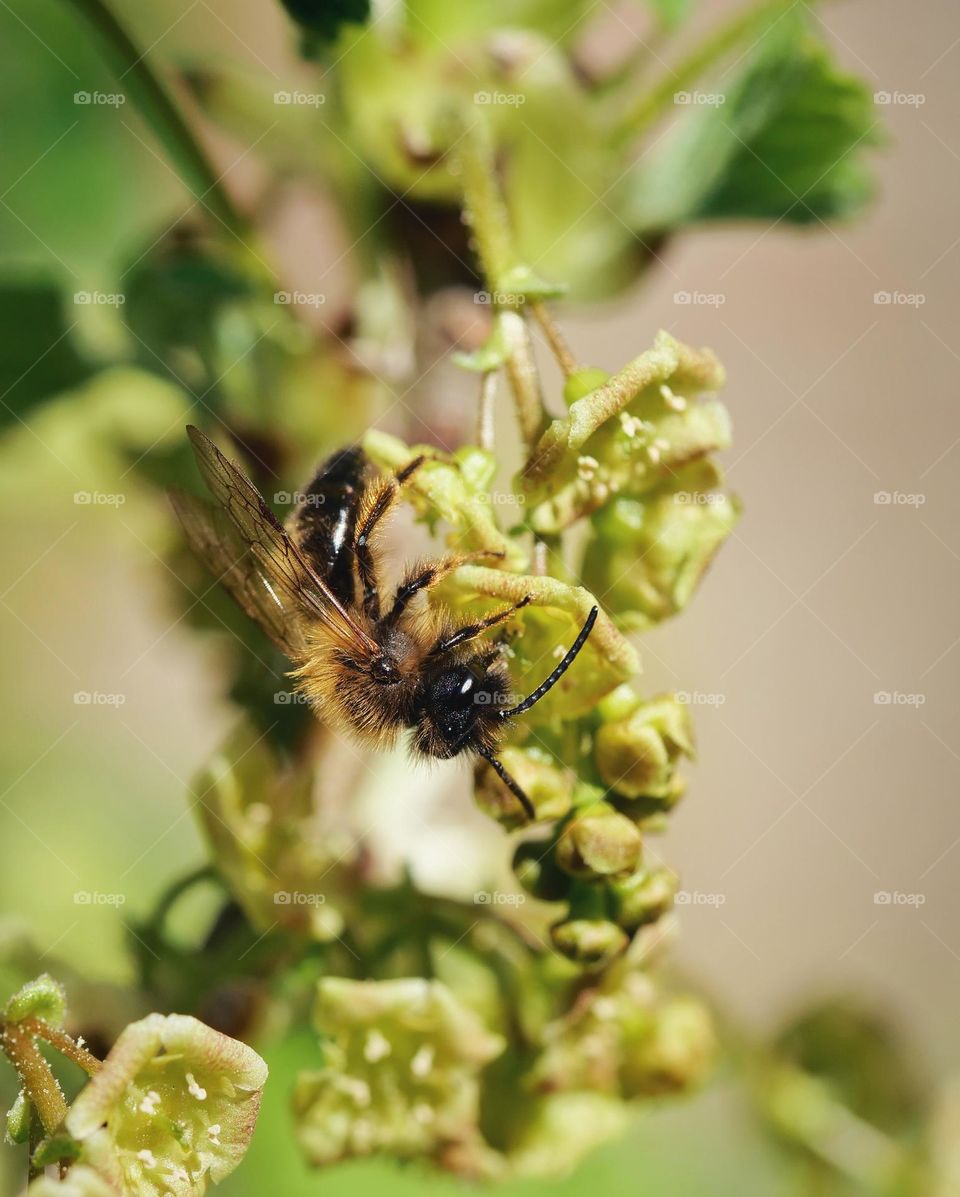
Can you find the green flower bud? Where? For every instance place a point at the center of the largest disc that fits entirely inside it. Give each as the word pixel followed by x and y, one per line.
pixel 562 1128
pixel 599 842
pixel 171 1110
pixel 258 814
pixel 42 998
pixel 401 1073
pixel 18 1119
pixel 547 784
pixel 590 942
pixel 674 1054
pixel 80 1181
pixel 535 865
pixel 648 555
pixel 582 382
pixel 643 897
pixel 636 756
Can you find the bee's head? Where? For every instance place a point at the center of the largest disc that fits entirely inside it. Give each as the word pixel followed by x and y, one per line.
pixel 459 706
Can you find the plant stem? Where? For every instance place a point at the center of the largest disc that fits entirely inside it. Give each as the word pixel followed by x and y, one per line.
pixel 521 368
pixel 35 1075
pixel 555 338
pixel 485 212
pixel 65 1044
pixel 160 110
pixel 751 22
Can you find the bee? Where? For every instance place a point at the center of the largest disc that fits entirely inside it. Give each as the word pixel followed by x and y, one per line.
pixel 371 667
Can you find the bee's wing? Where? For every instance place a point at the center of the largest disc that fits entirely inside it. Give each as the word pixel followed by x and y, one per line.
pixel 214 538
pixel 275 569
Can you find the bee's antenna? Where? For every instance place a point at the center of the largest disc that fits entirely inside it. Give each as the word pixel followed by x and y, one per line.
pixel 510 782
pixel 560 670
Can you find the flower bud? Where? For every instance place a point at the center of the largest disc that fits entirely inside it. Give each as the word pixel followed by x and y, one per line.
pixel 171 1110
pixel 42 998
pixel 636 755
pixel 590 942
pixel 674 1054
pixel 80 1181
pixel 401 1072
pixel 534 863
pixel 648 554
pixel 547 784
pixel 599 843
pixel 581 382
pixel 18 1119
pixel 643 897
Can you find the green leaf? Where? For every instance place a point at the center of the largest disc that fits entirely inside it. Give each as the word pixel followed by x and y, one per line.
pixel 38 355
pixel 785 141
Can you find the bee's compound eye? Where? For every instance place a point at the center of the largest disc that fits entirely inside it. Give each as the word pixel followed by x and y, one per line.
pixel 384 670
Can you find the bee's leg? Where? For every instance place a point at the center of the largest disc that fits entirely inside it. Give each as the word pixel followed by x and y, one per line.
pixel 423 576
pixel 471 630
pixel 378 501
